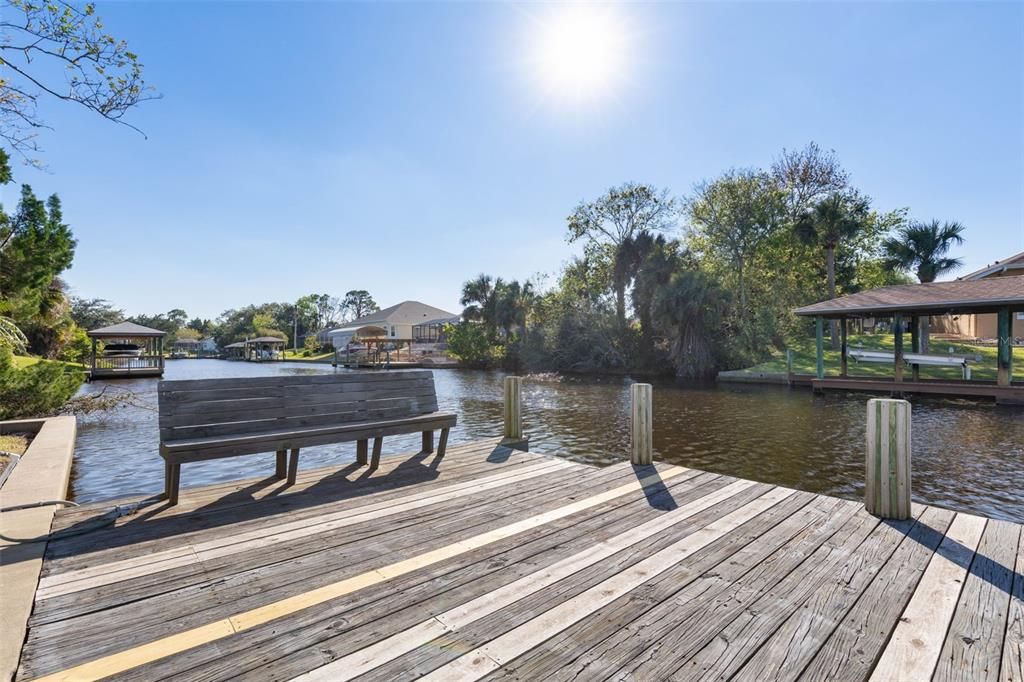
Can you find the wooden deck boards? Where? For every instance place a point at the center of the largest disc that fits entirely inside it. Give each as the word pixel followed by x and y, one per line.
pixel 494 563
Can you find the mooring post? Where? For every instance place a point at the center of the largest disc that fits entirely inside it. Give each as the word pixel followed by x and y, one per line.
pixel 513 408
pixel 887 485
pixel 641 432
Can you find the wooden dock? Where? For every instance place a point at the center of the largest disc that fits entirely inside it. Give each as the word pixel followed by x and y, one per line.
pixel 501 564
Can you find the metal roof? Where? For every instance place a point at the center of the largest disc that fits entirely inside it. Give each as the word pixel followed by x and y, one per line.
pixel 1015 262
pixel 959 296
pixel 406 312
pixel 265 339
pixel 125 330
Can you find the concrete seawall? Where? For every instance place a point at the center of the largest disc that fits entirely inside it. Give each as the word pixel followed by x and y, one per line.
pixel 43 473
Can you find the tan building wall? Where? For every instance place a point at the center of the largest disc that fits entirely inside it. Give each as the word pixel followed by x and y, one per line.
pixel 968 326
pixel 981 326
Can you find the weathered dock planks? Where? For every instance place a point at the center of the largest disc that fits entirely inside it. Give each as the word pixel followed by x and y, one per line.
pixel 496 563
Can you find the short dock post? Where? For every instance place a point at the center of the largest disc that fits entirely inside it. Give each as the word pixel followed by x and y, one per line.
pixel 512 410
pixel 641 432
pixel 887 485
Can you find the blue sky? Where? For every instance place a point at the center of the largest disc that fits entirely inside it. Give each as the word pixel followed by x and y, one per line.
pixel 404 148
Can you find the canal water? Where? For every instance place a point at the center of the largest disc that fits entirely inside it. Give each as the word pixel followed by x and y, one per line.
pixel 966 456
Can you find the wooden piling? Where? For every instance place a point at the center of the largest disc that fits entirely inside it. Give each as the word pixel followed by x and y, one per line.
pixel 641 432
pixel 513 408
pixel 887 484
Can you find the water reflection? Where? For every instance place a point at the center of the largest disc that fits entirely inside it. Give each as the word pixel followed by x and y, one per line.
pixel 967 456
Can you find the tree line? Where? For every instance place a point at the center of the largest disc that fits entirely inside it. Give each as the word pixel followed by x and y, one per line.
pixel 295 323
pixel 694 284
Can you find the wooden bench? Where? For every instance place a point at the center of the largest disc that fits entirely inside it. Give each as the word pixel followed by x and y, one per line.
pixel 217 418
pixel 962 361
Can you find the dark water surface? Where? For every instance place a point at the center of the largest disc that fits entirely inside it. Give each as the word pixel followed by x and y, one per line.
pixel 966 456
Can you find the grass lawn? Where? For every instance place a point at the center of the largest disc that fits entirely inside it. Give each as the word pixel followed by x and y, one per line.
pixel 293 356
pixel 804 359
pixel 13 442
pixel 23 361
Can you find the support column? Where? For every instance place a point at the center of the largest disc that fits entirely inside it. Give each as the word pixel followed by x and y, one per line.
pixel 897 330
pixel 641 431
pixel 843 347
pixel 915 345
pixel 1004 353
pixel 887 484
pixel 819 340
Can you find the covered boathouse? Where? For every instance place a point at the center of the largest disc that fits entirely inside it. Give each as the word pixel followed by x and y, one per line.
pixel 1003 296
pixel 126 350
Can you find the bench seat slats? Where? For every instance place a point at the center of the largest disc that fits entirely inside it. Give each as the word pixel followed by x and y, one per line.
pixel 298 434
pixel 416 404
pixel 188 385
pixel 243 427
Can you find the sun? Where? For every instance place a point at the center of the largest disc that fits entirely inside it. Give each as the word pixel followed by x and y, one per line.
pixel 580 51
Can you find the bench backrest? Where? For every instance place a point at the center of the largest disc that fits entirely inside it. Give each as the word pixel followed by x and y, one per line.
pixel 226 407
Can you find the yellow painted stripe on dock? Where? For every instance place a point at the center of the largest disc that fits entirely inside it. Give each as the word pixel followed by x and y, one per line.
pixel 364 660
pixel 189 639
pixel 101 574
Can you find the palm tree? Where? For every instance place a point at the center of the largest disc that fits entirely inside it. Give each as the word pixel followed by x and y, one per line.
pixel 921 248
pixel 630 256
pixel 834 220
pixel 688 309
pixel 660 261
pixel 479 300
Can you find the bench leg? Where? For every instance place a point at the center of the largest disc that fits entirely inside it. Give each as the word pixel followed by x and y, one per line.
pixel 293 466
pixel 168 475
pixel 282 464
pixel 442 443
pixel 378 443
pixel 172 481
pixel 428 441
pixel 362 447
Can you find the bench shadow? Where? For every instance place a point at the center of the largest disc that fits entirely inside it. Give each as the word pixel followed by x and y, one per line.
pixel 239 506
pixel 656 492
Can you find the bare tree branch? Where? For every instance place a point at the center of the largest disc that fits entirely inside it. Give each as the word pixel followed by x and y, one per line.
pixel 41 39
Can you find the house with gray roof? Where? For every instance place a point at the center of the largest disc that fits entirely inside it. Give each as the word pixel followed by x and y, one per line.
pixel 408 322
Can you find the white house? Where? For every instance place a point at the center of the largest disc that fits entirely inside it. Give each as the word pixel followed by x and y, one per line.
pixel 409 321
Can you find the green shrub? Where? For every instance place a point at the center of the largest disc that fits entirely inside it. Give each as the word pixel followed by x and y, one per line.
pixel 470 344
pixel 37 390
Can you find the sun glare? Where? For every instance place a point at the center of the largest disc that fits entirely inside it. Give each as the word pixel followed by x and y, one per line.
pixel 580 51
